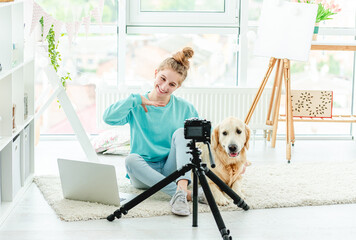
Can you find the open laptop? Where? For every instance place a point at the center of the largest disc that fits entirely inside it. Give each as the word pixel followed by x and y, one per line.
pixel 88 181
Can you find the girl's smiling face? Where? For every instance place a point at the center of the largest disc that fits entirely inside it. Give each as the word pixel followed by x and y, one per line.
pixel 167 81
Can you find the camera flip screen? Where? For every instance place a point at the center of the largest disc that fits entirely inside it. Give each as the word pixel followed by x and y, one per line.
pixel 195 132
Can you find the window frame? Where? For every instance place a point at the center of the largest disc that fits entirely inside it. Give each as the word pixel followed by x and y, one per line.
pixel 228 18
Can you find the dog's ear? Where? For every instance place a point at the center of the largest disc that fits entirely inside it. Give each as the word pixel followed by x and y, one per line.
pixel 215 137
pixel 247 133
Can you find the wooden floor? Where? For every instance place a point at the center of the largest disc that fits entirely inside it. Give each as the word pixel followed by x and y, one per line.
pixel 32 218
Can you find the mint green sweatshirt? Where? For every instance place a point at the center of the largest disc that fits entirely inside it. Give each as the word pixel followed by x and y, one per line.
pixel 151 132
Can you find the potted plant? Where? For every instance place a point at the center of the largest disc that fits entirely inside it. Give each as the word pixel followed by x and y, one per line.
pixel 326 8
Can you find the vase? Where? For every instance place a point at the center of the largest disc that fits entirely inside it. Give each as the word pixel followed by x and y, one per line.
pixel 316 31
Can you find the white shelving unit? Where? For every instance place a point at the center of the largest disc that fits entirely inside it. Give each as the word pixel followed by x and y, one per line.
pixel 16 89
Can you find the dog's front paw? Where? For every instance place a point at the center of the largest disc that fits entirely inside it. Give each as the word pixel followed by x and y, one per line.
pixel 222 201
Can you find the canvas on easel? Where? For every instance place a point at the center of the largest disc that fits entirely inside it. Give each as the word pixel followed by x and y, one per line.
pixel 285 33
pixel 285 30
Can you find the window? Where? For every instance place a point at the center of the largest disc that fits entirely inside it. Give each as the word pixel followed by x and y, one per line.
pixel 214 62
pixel 156 29
pixel 215 13
pixel 131 43
pixel 91 61
pixel 179 5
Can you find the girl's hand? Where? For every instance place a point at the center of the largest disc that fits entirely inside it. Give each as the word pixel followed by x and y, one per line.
pixel 145 102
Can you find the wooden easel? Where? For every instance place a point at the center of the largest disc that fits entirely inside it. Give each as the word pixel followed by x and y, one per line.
pixel 282 71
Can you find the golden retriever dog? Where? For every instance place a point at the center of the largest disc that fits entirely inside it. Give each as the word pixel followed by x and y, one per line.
pixel 229 142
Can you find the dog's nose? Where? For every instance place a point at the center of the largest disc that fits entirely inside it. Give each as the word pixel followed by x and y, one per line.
pixel 233 147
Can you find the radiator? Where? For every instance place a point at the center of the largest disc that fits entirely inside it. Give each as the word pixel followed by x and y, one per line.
pixel 214 104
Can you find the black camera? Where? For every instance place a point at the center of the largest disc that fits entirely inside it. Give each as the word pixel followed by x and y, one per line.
pixel 197 129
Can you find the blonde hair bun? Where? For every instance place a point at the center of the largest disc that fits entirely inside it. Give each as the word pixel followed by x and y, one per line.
pixel 183 56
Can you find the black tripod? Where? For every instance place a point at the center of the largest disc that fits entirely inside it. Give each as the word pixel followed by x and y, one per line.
pixel 200 170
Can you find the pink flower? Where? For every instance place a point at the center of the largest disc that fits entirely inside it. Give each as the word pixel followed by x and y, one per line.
pixel 336 8
pixel 332 6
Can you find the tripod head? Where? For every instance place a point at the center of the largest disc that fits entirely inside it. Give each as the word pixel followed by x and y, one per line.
pixel 196 152
pixel 198 131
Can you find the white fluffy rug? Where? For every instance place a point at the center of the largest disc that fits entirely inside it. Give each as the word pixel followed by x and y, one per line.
pixel 265 186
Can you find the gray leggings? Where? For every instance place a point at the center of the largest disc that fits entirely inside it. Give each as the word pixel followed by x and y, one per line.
pixel 145 174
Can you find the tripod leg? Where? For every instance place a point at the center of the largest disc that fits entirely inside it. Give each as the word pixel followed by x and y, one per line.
pixel 237 199
pixel 195 200
pixel 212 204
pixel 149 192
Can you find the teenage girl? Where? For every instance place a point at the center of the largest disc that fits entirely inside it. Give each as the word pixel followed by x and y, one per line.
pixel 156 119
